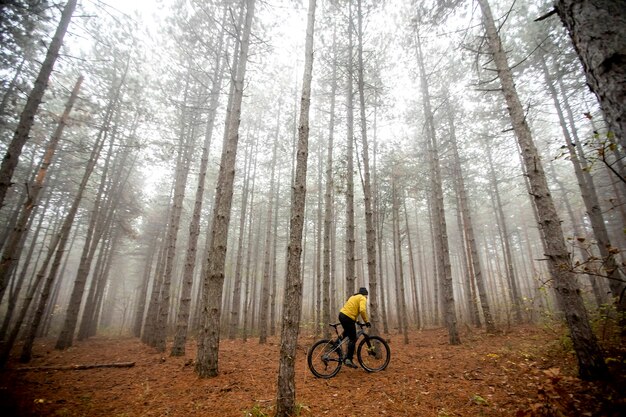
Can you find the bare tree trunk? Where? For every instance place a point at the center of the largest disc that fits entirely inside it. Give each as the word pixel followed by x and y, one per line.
pixel 379 242
pixel 504 237
pixel 123 170
pixel 187 117
pixel 56 250
pixel 149 334
pixel 286 387
pixel 423 274
pixel 236 300
pixel 273 300
pixel 397 249
pixel 95 229
pixel 328 199
pixel 590 360
pixel 441 234
pixel 15 243
pixel 142 291
pixel 27 117
pixel 592 204
pixel 414 291
pixel 251 247
pixel 265 289
pixel 598 32
pixel 318 239
pixel 93 305
pixel 15 289
pixel 370 228
pixel 468 230
pixel 182 319
pixel 213 280
pixel 350 239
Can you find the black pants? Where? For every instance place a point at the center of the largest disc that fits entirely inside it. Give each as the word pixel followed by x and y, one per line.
pixel 349 330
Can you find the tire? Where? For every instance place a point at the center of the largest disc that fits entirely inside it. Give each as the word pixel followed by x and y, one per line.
pixel 373 354
pixel 324 359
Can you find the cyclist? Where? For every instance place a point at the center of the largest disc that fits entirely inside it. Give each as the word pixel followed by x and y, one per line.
pixel 348 315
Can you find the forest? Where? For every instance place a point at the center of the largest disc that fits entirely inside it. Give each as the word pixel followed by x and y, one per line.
pixel 192 185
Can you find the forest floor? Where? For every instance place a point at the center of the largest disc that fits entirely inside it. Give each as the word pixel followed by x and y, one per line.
pixel 523 372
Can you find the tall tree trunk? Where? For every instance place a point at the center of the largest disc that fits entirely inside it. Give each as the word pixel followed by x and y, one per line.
pixel 468 230
pixel 182 319
pixel 265 288
pixel 350 239
pixel 149 334
pixel 592 203
pixel 15 243
pixel 414 290
pixel 94 233
pixel 598 31
pixel 397 249
pixel 246 310
pixel 423 274
pixel 379 241
pixel 56 250
pixel 186 145
pixel 273 299
pixel 286 387
pixel 505 238
pixel 590 360
pixel 213 279
pixel 441 233
pixel 319 232
pixel 142 291
pixel 328 197
pixel 89 322
pixel 27 117
pixel 95 228
pixel 123 170
pixel 236 300
pixel 370 228
pixel 18 282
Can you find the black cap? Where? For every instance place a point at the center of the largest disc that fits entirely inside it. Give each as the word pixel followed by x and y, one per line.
pixel 363 291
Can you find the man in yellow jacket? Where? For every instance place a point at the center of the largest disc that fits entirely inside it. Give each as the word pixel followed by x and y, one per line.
pixel 348 315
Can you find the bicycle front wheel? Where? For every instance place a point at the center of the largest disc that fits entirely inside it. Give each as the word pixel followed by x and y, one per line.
pixel 324 359
pixel 373 354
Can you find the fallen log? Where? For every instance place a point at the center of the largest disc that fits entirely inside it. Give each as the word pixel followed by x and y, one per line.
pixel 77 367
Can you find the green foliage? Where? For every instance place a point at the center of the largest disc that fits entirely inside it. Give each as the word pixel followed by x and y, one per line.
pixel 300 408
pixel 566 342
pixel 256 411
pixel 478 400
pixel 605 322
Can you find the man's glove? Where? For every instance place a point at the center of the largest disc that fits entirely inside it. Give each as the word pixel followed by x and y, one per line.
pixel 368 324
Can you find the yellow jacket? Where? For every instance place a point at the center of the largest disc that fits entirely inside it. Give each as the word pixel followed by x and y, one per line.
pixel 354 306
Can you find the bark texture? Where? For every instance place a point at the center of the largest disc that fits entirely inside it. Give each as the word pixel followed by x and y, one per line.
pixel 370 228
pixel 27 117
pixel 590 360
pixel 444 268
pixel 15 242
pixel 286 388
pixel 213 279
pixel 598 31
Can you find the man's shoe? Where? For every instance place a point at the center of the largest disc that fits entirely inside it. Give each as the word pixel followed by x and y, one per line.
pixel 348 362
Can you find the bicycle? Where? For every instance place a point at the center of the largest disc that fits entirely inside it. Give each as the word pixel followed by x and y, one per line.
pixel 326 357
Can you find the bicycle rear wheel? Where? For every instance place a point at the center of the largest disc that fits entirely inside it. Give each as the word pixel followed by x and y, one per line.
pixel 324 359
pixel 373 354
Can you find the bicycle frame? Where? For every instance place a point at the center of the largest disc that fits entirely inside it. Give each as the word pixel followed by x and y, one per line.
pixel 341 339
pixel 372 352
